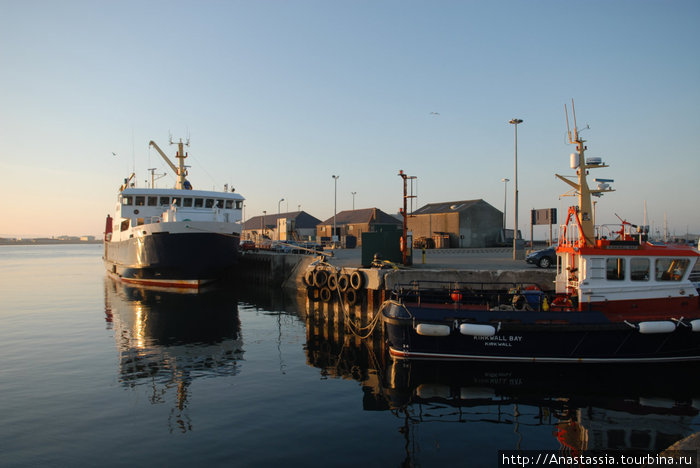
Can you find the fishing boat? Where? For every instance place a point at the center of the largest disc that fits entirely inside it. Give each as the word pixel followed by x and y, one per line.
pixel 618 297
pixel 176 238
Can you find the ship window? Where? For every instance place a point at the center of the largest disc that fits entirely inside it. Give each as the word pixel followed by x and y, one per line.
pixel 639 269
pixel 187 202
pixel 152 201
pixel 139 221
pixel 229 204
pixel 176 201
pixel 615 269
pixel 671 269
pixel 125 225
pixel 140 200
pixel 126 201
pixel 239 205
pixel 209 203
pixel 164 201
pixel 198 202
pixel 219 203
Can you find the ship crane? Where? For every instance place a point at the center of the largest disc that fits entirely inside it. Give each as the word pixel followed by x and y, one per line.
pixel 179 170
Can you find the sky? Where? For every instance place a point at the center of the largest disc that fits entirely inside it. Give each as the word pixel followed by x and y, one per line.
pixel 276 97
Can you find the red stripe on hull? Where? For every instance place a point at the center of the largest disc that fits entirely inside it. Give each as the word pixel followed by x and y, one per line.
pixel 186 285
pixel 649 309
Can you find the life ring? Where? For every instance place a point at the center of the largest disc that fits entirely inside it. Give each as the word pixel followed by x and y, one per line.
pixel 351 297
pixel 561 303
pixel 312 293
pixel 343 282
pixel 325 294
pixel 356 280
pixel 332 282
pixel 320 278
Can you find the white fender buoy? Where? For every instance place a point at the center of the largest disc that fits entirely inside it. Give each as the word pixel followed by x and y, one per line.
pixel 660 326
pixel 475 329
pixel 429 329
pixel 433 390
pixel 695 325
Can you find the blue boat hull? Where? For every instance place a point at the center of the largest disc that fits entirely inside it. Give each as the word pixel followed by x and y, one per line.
pixel 530 336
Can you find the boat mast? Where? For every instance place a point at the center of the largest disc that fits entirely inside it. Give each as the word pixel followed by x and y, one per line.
pixel 584 211
pixel 180 169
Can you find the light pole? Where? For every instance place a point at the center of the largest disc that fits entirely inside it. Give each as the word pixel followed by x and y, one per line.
pixel 515 228
pixel 505 199
pixel 335 204
pixel 262 223
pixel 353 200
pixel 277 228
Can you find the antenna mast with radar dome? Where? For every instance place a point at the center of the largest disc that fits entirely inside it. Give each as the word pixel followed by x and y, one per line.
pixel 584 211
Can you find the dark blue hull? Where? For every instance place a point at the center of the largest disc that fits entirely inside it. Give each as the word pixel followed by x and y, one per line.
pixel 166 259
pixel 529 336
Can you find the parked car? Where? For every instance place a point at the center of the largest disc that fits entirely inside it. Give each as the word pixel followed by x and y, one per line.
pixel 544 258
pixel 246 245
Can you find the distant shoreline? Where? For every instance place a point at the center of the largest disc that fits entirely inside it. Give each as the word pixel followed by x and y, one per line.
pixel 46 242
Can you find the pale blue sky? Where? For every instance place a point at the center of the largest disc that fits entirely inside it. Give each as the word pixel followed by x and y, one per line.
pixel 279 95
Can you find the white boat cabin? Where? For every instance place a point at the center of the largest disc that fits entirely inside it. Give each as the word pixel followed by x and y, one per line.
pixel 141 206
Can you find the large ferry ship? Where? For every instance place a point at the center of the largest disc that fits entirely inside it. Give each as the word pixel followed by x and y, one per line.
pixel 618 298
pixel 172 238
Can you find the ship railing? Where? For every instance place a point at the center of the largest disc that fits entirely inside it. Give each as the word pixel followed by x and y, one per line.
pixel 466 295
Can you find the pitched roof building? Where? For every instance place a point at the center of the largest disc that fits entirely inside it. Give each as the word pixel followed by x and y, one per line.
pixel 465 223
pixel 352 223
pixel 296 225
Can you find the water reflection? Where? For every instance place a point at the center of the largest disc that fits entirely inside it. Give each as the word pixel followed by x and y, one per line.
pixel 570 408
pixel 166 340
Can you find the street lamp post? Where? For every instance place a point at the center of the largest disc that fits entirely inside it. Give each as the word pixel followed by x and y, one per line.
pixel 277 228
pixel 353 200
pixel 505 200
pixel 515 228
pixel 335 204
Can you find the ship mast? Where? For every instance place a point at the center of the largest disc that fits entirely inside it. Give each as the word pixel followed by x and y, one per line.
pixel 584 211
pixel 180 169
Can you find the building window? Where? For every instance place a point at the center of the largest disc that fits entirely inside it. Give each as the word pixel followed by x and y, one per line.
pixel 639 269
pixel 671 269
pixel 615 269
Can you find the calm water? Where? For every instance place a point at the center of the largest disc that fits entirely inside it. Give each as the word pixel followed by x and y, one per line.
pixel 93 373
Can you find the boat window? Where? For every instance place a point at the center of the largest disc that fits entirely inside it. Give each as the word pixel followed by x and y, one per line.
pixel 139 221
pixel 187 202
pixel 639 269
pixel 152 201
pixel 229 204
pixel 209 203
pixel 615 269
pixel 140 200
pixel 176 201
pixel 164 201
pixel 198 202
pixel 597 268
pixel 125 225
pixel 126 201
pixel 219 203
pixel 239 205
pixel 671 269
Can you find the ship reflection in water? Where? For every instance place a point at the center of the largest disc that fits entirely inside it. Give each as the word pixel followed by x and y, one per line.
pixel 167 340
pixel 576 407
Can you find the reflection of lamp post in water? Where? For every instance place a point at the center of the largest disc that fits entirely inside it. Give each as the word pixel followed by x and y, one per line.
pixel 515 228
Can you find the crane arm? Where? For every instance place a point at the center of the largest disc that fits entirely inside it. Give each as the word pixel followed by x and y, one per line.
pixel 167 160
